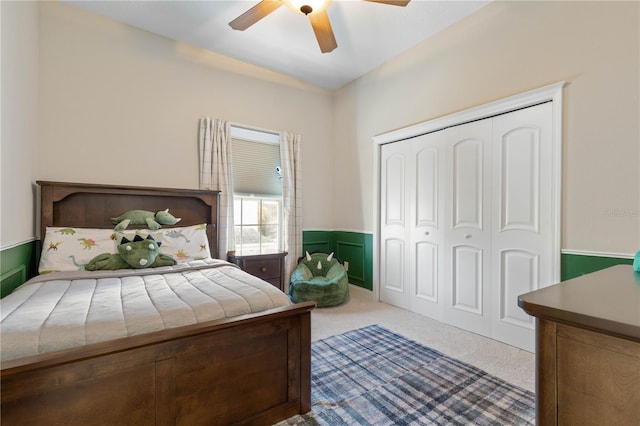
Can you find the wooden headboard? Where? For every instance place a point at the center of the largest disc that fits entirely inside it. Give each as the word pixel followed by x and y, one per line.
pixel 91 206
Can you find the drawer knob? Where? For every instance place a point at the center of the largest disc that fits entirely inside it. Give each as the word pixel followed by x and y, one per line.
pixel 263 269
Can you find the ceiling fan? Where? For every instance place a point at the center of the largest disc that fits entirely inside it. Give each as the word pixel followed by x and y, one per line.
pixel 316 10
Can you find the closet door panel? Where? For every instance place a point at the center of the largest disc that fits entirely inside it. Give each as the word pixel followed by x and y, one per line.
pixel 467 279
pixel 426 201
pixel 468 181
pixel 426 226
pixel 393 277
pixel 426 267
pixel 394 232
pixel 518 275
pixel 523 232
pixel 519 196
pixel 468 236
pixel 394 183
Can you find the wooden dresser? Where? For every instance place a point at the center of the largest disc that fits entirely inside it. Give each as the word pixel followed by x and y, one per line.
pixel 269 267
pixel 588 349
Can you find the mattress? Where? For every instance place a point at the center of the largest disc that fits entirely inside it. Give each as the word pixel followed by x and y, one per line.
pixel 62 310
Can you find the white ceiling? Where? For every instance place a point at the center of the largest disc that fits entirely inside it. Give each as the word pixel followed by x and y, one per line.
pixel 368 34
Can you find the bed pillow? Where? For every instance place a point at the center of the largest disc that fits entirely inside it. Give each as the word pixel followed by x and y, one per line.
pixel 184 243
pixel 69 249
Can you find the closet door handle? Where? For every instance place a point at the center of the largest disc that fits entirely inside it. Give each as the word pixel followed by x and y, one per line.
pixel 467 236
pixel 426 232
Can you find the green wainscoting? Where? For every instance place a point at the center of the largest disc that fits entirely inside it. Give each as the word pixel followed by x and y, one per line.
pixel 353 247
pixel 17 264
pixel 357 249
pixel 575 265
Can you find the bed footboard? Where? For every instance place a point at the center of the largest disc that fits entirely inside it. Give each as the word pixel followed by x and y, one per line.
pixel 254 369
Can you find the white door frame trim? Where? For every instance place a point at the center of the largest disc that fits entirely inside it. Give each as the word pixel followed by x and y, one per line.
pixel 552 92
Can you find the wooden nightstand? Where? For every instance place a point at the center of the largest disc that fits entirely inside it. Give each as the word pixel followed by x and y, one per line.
pixel 269 267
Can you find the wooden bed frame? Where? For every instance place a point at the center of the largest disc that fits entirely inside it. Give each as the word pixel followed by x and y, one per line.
pixel 251 369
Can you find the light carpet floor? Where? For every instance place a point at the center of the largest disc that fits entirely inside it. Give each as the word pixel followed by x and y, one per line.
pixel 511 364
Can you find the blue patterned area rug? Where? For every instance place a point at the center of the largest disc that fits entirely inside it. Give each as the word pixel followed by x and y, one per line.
pixel 373 376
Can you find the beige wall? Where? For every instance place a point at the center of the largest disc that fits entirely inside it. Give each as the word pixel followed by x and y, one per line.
pixel 19 120
pixel 120 105
pixel 96 101
pixel 504 49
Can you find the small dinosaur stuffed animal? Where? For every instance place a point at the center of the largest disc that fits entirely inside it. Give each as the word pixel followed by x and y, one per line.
pixel 139 253
pixel 144 217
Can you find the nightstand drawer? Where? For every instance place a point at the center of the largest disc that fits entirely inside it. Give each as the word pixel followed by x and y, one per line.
pixel 275 282
pixel 269 267
pixel 264 269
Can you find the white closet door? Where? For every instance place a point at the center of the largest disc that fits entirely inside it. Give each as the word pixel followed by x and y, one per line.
pixel 394 223
pixel 468 227
pixel 426 203
pixel 522 230
pixel 468 220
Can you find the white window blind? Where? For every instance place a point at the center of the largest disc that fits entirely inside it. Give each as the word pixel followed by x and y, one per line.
pixel 254 168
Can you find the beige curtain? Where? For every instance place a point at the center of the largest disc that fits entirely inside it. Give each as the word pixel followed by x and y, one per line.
pixel 216 173
pixel 291 160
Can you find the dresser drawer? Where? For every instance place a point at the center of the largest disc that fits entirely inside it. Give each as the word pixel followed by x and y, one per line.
pixel 265 269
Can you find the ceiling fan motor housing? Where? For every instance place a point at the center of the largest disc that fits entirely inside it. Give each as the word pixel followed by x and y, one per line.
pixel 306 9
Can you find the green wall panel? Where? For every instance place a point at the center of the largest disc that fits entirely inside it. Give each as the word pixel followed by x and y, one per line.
pixel 575 265
pixel 357 249
pixel 17 264
pixel 353 247
pixel 317 240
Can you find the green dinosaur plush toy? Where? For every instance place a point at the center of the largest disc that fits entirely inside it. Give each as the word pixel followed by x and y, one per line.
pixel 144 217
pixel 139 253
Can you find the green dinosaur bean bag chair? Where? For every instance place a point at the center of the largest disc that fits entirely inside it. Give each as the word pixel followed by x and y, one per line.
pixel 321 278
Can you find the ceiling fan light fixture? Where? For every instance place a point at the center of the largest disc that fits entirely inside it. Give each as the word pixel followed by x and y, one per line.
pixel 307 6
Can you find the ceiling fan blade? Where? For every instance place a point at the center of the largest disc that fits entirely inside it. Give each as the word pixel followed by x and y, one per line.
pixel 392 2
pixel 255 14
pixel 324 33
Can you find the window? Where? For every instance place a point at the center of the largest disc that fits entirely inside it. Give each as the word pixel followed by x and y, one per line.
pixel 257 224
pixel 257 191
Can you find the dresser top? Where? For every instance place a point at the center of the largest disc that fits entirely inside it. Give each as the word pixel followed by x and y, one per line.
pixel 607 301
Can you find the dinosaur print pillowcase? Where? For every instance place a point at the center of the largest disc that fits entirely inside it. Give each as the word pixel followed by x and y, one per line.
pixel 69 249
pixel 186 243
